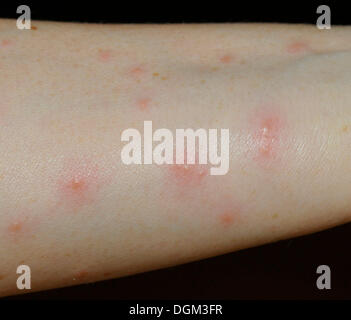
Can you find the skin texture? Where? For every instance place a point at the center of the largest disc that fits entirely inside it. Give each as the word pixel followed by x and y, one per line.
pixel 297 47
pixel 79 184
pixel 268 132
pixel 73 212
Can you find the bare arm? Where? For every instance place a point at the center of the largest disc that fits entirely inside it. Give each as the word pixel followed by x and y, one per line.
pixel 74 212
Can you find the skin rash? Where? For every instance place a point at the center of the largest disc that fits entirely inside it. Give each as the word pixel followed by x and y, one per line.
pixel 189 175
pixel 144 104
pixel 226 59
pixel 191 183
pixel 80 180
pixel 105 55
pixel 79 183
pixel 297 47
pixel 22 226
pixel 267 130
pixel 5 43
pixel 136 73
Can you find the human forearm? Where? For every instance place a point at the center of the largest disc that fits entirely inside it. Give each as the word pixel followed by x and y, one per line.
pixel 74 212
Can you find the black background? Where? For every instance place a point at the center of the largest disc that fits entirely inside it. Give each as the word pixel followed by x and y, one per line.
pixel 283 270
pixel 167 11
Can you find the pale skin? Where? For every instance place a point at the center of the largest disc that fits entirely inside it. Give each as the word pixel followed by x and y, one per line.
pixel 73 212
